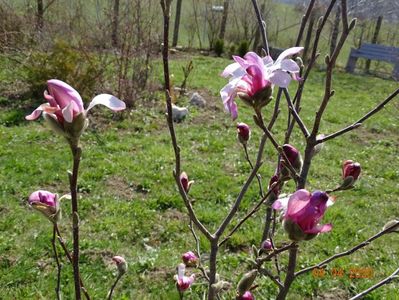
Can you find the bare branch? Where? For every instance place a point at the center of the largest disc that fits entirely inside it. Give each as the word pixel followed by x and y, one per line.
pixel 359 122
pixel 304 20
pixel 262 26
pixel 295 114
pixel 389 279
pixel 350 251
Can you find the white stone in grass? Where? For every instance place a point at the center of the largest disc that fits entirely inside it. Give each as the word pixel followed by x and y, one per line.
pixel 197 100
pixel 179 113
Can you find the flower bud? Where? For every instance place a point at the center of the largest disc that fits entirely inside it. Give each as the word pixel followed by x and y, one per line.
pixel 246 296
pixel 221 285
pixel 121 264
pixel 186 184
pixel 350 173
pixel 190 259
pixel 267 245
pixel 47 203
pixel 294 157
pixel 243 133
pixel 246 282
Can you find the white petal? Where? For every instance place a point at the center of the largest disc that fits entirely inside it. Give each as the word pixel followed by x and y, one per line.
pixel 288 52
pixel 107 100
pixel 234 70
pixel 67 112
pixel 180 271
pixel 289 65
pixel 267 60
pixel 280 78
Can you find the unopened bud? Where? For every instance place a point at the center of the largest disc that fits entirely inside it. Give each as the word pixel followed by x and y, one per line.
pixel 121 264
pixel 246 296
pixel 295 159
pixel 267 245
pixel 190 259
pixel 350 173
pixel 246 282
pixel 186 184
pixel 243 133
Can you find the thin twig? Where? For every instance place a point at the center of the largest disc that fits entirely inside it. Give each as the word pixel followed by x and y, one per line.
pixel 295 114
pixel 166 10
pixel 250 214
pixel 361 120
pixel 389 279
pixel 267 273
pixel 261 260
pixel 262 26
pixel 350 251
pixel 197 243
pixel 59 267
pixel 304 20
pixel 251 165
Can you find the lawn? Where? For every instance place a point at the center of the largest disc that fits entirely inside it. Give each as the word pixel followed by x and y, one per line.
pixel 130 206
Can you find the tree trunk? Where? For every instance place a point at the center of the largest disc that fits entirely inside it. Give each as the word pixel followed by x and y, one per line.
pixel 40 15
pixel 177 23
pixel 224 19
pixel 335 29
pixel 115 22
pixel 374 40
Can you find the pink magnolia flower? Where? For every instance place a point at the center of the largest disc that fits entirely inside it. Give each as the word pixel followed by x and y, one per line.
pixel 65 104
pixel 252 74
pixel 46 203
pixel 190 259
pixel 186 184
pixel 183 282
pixel 304 210
pixel 294 157
pixel 243 132
pixel 247 296
pixel 121 264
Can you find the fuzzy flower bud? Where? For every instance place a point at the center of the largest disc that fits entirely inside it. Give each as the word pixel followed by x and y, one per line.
pixel 47 203
pixel 186 184
pixel 183 282
pixel 121 264
pixel 190 259
pixel 243 133
pixel 246 282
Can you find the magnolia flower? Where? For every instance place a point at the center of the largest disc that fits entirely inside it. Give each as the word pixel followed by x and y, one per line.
pixel 303 212
pixel 252 75
pixel 189 259
pixel 186 184
pixel 47 203
pixel 65 111
pixel 350 173
pixel 183 282
pixel 121 264
pixel 243 133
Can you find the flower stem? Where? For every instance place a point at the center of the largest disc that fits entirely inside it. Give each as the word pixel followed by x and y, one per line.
pixel 114 285
pixel 59 266
pixel 73 181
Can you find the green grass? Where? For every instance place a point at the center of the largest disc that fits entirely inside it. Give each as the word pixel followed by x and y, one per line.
pixel 130 206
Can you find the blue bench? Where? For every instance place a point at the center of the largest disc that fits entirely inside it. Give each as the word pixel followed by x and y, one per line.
pixel 375 52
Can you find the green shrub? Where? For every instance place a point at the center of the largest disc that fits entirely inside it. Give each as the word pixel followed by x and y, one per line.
pixel 219 47
pixel 80 70
pixel 243 48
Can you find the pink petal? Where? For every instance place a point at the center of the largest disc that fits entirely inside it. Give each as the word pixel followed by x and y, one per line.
pixel 289 65
pixel 288 52
pixel 280 78
pixel 67 112
pixel 277 205
pixel 35 114
pixel 298 201
pixel 320 229
pixel 253 59
pixel 107 100
pixel 63 94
